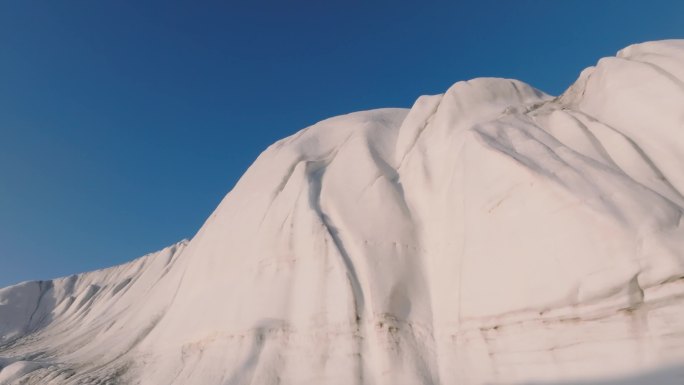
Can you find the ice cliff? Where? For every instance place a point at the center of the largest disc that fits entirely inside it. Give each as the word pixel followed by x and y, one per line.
pixel 490 234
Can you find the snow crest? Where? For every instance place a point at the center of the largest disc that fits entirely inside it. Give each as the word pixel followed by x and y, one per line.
pixel 491 234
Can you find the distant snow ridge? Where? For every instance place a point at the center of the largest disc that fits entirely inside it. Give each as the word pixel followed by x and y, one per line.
pixel 492 234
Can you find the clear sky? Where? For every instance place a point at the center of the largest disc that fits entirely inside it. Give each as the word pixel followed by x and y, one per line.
pixel 124 123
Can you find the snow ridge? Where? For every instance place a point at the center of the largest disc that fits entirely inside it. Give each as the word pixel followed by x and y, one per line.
pixel 491 234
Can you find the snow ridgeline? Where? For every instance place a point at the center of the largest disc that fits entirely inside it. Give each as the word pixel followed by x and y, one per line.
pixel 491 234
pixel 80 315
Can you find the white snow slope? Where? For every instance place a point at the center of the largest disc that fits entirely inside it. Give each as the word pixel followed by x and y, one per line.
pixel 491 234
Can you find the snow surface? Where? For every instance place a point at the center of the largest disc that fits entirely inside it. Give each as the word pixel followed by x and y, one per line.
pixel 491 234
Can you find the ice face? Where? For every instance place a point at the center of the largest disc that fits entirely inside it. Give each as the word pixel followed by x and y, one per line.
pixel 491 234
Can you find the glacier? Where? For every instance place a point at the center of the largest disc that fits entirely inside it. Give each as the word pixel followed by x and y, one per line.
pixel 492 234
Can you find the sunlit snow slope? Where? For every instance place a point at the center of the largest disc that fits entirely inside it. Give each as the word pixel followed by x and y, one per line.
pixel 491 234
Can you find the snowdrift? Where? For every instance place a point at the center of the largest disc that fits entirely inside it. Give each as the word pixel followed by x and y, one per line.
pixel 490 234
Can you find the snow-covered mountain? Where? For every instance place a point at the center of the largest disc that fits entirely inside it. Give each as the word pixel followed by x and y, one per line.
pixel 491 234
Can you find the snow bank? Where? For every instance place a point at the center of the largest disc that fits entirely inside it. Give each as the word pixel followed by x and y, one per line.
pixel 491 234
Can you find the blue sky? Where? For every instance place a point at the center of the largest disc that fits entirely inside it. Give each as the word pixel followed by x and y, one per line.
pixel 124 123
